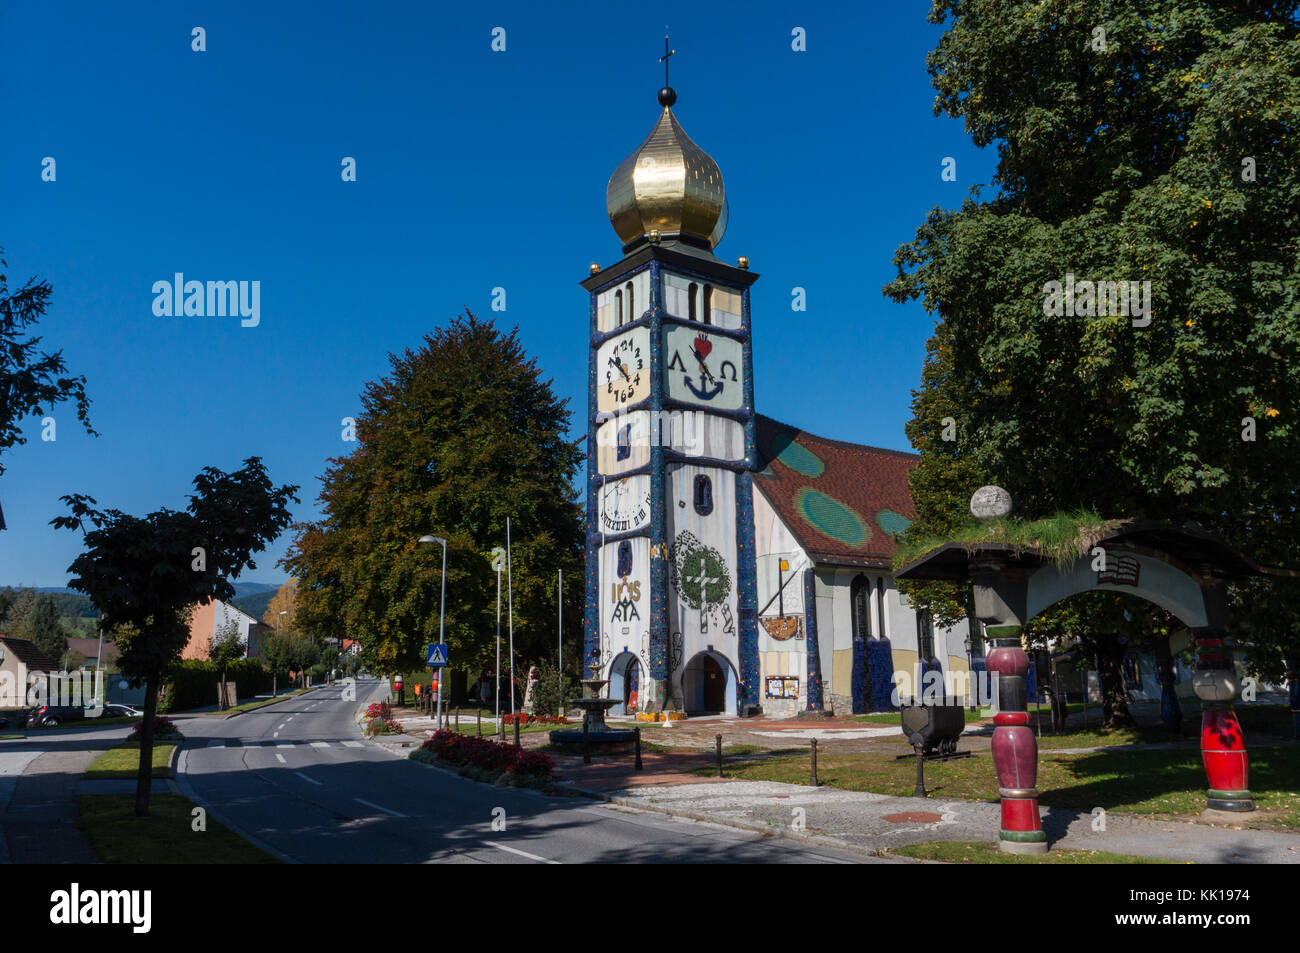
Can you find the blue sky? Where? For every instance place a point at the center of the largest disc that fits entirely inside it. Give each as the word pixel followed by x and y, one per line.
pixel 475 169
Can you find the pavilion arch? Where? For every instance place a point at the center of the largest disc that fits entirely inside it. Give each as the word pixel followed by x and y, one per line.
pixel 1156 580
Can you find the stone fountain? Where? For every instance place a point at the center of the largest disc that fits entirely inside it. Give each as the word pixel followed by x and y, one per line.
pixel 593 708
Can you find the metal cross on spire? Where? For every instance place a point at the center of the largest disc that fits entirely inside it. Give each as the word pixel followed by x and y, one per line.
pixel 664 59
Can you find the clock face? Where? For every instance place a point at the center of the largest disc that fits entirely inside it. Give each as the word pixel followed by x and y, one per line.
pixel 625 504
pixel 703 368
pixel 622 370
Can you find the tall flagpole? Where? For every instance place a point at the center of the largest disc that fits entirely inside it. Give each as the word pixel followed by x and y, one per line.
pixel 510 608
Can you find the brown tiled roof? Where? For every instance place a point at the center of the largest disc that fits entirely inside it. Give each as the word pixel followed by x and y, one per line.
pixel 842 501
pixel 90 648
pixel 27 653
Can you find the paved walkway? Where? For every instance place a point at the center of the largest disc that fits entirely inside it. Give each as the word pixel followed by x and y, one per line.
pixel 39 824
pixel 875 822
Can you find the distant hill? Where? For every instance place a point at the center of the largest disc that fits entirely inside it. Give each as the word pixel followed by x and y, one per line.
pixel 255 604
pixel 252 597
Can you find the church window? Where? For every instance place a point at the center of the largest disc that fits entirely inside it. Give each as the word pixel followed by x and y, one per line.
pixel 631 302
pixel 708 304
pixel 924 635
pixel 860 607
pixel 690 297
pixel 618 309
pixel 880 608
pixel 624 559
pixel 703 495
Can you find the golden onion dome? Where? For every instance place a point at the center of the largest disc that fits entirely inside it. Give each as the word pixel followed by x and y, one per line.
pixel 669 186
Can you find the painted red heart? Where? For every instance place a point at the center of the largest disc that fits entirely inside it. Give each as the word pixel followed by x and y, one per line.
pixel 703 347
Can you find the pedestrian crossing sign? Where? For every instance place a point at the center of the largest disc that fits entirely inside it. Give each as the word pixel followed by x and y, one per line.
pixel 437 656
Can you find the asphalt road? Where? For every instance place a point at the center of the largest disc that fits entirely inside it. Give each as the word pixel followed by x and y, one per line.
pixel 298 779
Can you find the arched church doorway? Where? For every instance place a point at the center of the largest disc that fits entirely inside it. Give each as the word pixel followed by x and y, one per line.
pixel 709 685
pixel 625 683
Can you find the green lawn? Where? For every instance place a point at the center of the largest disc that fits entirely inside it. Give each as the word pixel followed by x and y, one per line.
pixel 961 852
pixel 166 836
pixel 123 762
pixel 1166 782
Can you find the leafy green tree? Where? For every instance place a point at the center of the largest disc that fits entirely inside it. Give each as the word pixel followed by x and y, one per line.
pixel 226 647
pixel 1134 144
pixel 31 381
pixel 463 433
pixel 148 573
pixel 41 627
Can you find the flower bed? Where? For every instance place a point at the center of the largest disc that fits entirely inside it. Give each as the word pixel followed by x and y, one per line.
pixel 164 729
pixel 488 760
pixel 526 719
pixel 383 726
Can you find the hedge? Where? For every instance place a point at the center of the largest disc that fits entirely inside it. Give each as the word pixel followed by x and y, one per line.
pixel 193 683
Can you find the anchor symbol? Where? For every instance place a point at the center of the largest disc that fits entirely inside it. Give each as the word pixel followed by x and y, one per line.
pixel 701 349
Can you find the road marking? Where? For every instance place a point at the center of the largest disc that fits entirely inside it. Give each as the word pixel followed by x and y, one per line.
pixel 280 725
pixel 284 746
pixel 216 744
pixel 521 853
pixel 275 734
pixel 320 744
pixel 305 778
pixel 287 720
pixel 279 757
pixel 378 808
pixel 353 744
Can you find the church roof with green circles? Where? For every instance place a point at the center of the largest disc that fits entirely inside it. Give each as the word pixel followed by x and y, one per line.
pixel 844 502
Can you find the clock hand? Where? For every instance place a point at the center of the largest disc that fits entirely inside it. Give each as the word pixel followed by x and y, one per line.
pixel 703 369
pixel 621 367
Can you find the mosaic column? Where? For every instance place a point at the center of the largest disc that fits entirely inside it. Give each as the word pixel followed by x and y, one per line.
pixel 1223 745
pixel 1015 750
pixel 1293 685
pixel 811 645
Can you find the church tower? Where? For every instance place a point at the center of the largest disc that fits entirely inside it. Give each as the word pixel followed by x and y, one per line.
pixel 671 590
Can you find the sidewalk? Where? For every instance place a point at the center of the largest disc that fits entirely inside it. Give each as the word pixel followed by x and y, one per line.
pixel 874 822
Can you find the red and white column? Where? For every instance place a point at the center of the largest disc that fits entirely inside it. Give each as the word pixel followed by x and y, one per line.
pixel 1015 750
pixel 1223 744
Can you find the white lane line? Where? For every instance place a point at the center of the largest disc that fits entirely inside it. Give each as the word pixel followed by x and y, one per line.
pixel 521 853
pixel 353 744
pixel 378 808
pixel 284 745
pixel 320 744
pixel 275 734
pixel 305 778
pixel 280 725
pixel 279 757
pixel 287 720
pixel 216 744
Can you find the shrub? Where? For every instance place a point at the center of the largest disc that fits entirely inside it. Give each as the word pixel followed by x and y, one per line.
pixel 493 756
pixel 554 689
pixel 163 727
pixel 526 719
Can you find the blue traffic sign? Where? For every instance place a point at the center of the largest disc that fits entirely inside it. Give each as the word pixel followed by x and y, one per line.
pixel 437 657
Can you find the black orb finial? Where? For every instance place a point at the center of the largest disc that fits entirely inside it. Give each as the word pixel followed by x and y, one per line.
pixel 667 96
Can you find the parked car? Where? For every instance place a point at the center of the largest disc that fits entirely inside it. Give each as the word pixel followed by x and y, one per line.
pixel 122 711
pixel 48 716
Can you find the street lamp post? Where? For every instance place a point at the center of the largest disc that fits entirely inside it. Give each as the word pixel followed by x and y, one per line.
pixel 275 693
pixel 442 613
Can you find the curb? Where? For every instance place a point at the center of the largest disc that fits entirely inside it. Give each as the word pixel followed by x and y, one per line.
pixel 739 824
pixel 184 789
